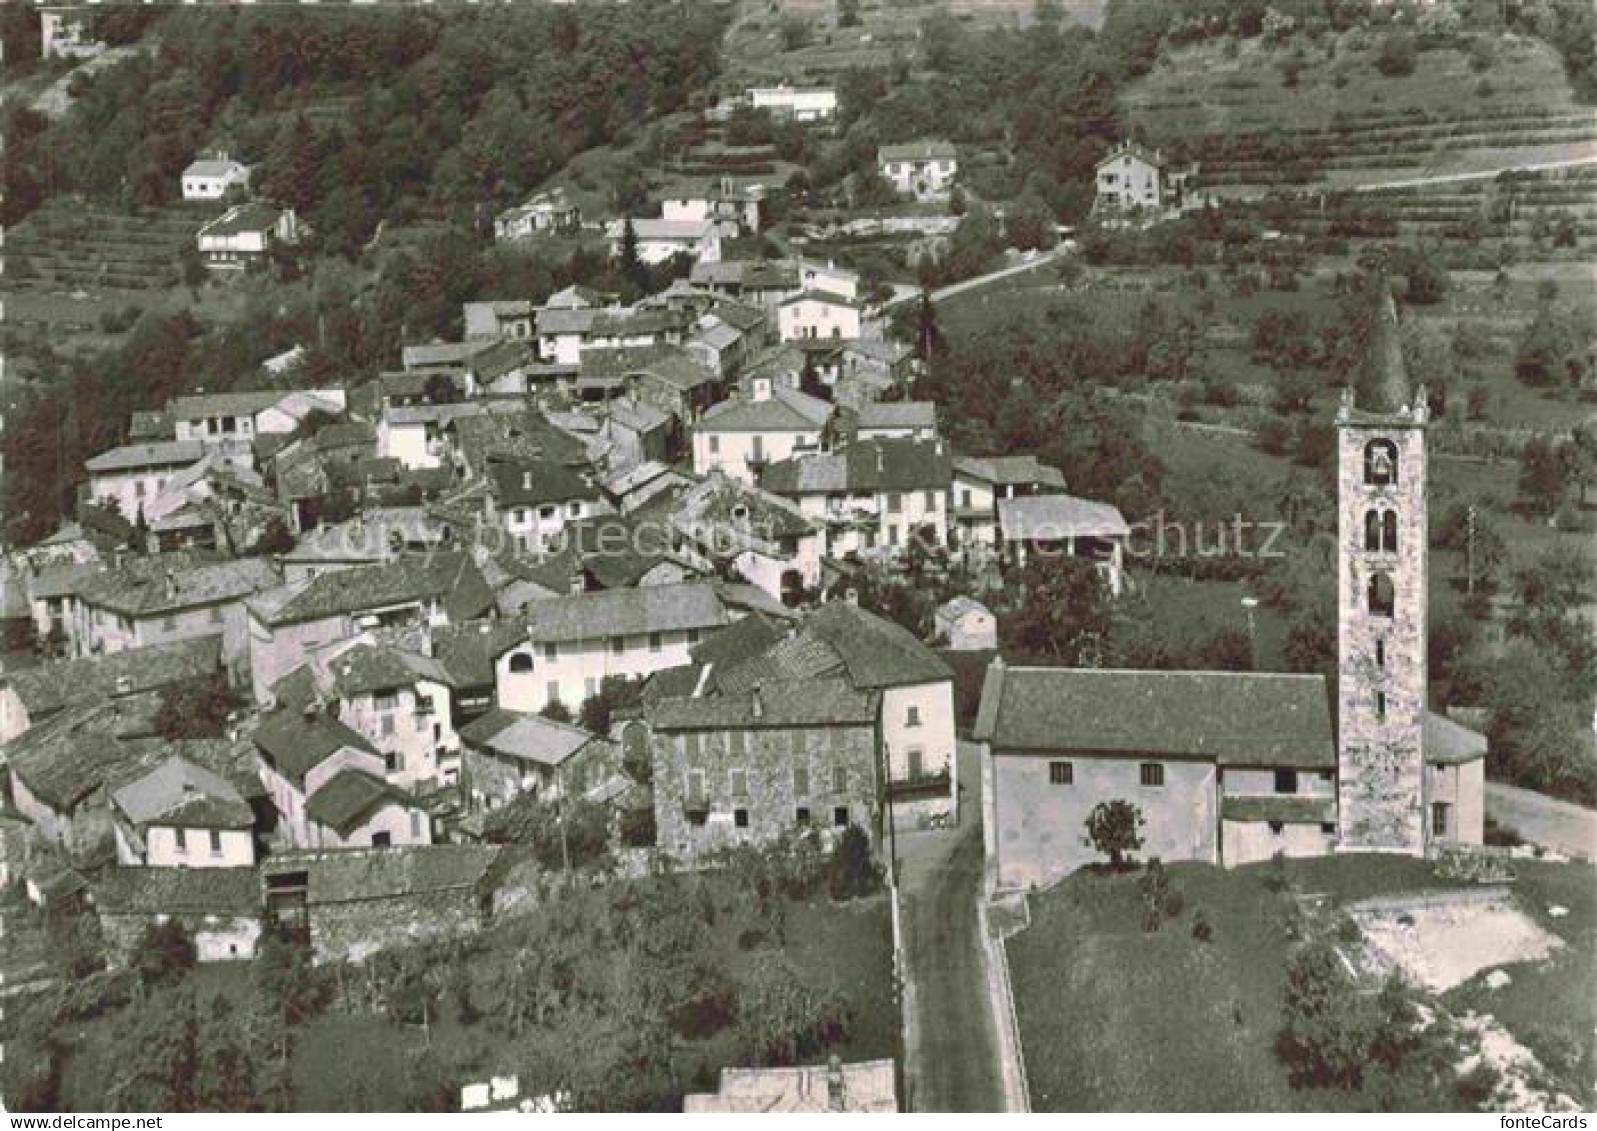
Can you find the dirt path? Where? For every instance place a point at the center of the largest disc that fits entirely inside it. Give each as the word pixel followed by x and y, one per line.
pixel 1557 825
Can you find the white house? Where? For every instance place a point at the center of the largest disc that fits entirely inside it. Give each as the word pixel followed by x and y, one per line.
pixel 761 537
pixel 547 212
pixel 660 240
pixel 244 234
pixel 801 104
pixel 62 34
pixel 1132 177
pixel 742 437
pixel 922 170
pixel 819 314
pixel 230 420
pixel 872 496
pixel 980 482
pixel 573 643
pixel 180 815
pixel 209 178
pixel 129 477
pixel 533 501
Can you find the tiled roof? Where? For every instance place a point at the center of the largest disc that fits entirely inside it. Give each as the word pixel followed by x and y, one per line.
pixel 625 612
pixel 1009 470
pixel 1052 518
pixel 255 216
pixel 791 703
pixel 467 650
pixel 786 410
pixel 868 465
pixel 196 406
pixel 739 641
pixel 647 228
pixel 298 742
pixel 876 651
pixel 178 891
pixel 167 453
pixel 450 577
pixel 673 365
pixel 897 414
pixel 726 517
pixel 918 151
pixel 359 875
pixel 1448 743
pixel 348 798
pixel 1235 718
pixel 830 298
pixel 440 353
pixel 76 751
pixel 531 483
pixel 213 167
pixel 525 737
pixel 144 587
pixel 179 794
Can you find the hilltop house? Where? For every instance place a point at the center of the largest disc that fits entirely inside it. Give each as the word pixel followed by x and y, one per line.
pixel 209 178
pixel 795 103
pixel 743 437
pixel 571 644
pixel 872 496
pixel 508 753
pixel 234 419
pixel 895 420
pixel 244 234
pixel 1134 178
pixel 736 211
pixel 288 623
pixel 328 785
pixel 549 211
pixel 753 767
pixel 498 318
pixel 127 477
pixel 181 815
pixel 920 170
pixel 660 240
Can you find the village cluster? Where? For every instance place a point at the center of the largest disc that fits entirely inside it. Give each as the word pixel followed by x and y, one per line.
pixel 608 554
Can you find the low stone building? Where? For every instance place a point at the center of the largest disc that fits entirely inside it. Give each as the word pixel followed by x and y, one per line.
pixel 757 766
pixel 218 908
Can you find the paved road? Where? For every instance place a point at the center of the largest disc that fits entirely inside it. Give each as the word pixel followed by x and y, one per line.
pixel 952 1064
pixel 1558 825
pixel 909 294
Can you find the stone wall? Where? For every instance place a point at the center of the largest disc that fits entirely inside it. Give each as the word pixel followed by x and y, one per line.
pixel 217 938
pixel 353 930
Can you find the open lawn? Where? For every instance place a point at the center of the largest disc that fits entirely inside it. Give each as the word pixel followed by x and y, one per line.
pixel 1115 1019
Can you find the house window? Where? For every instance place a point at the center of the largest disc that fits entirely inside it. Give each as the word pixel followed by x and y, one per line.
pixel 740 783
pixel 655 641
pixel 801 816
pixel 715 445
pixel 168 623
pixel 1277 828
pixel 618 645
pixel 216 842
pixel 695 787
pixel 1380 531
pixel 520 662
pixel 737 742
pixel 415 824
pixel 796 739
pixel 546 512
pixel 551 651
pixel 1380 653
pixel 839 779
pixel 801 781
pixel 551 692
pixel 1328 828
pixel 693 636
pixel 1152 774
pixel 1061 773
pixel 1380 706
pixel 1286 781
pixel 912 717
pixel 386 725
pixel 180 839
pixel 390 761
pixel 740 818
pixel 385 700
pixel 840 817
pixel 382 839
pixel 931 500
pixel 519 516
pixel 917 764
pixel 895 502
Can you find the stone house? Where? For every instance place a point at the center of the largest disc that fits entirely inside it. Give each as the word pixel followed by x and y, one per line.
pixel 819 315
pixel 533 501
pixel 723 525
pixel 660 240
pixel 507 754
pixel 218 908
pixel 751 768
pixel 129 477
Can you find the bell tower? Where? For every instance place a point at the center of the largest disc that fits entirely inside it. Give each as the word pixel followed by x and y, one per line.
pixel 1381 598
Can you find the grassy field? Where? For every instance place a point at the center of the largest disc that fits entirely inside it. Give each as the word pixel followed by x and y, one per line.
pixel 1113 1019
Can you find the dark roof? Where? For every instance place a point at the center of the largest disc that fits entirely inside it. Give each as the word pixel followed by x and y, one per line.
pixel 625 612
pixel 348 798
pixel 451 577
pixel 869 465
pixel 876 652
pixel 523 483
pixel 75 752
pixel 791 703
pixel 356 875
pixel 466 651
pixel 178 891
pixel 525 737
pixel 739 641
pixel 143 587
pixel 52 686
pixel 297 743
pixel 1234 718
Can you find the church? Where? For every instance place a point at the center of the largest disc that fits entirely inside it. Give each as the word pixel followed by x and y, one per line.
pixel 1231 768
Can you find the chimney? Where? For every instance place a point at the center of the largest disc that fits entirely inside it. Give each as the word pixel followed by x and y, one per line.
pixel 836 1097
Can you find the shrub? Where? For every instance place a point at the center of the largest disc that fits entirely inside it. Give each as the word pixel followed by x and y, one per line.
pixel 165 955
pixel 1201 929
pixel 853 873
pixel 1396 54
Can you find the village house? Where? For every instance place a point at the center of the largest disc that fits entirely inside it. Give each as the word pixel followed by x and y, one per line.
pixel 230 420
pixel 1038 527
pixel 965 625
pixel 215 504
pixel 219 909
pixel 725 525
pixel 758 282
pixel 244 234
pixel 288 623
pixel 210 178
pixel 508 753
pixel 666 377
pixel 742 437
pixel 533 501
pixel 498 318
pixel 978 486
pixel 819 314
pixel 895 420
pixel 920 170
pixel 181 815
pixel 869 368
pixel 547 212
pixel 1133 178
pixel 776 760
pixel 573 643
pixel 373 536
pixel 63 34
pixel 806 104
pixel 873 496
pixel 637 432
pixel 130 476
pixel 166 598
pixel 30 695
pixel 52 593
pixel 659 240
pixel 736 211
pixel 329 787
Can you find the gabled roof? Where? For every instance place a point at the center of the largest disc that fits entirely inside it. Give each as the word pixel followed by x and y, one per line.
pixel 876 651
pixel 739 641
pixel 179 794
pixel 625 612
pixel 729 517
pixel 868 465
pixel 81 749
pixel 349 797
pixel 897 414
pixel 776 704
pixel 298 741
pixel 167 453
pixel 1054 518
pixel 672 365
pixel 1009 470
pixel 1234 718
pixel 524 483
pixel 196 406
pixel 1132 149
pixel 785 410
pixel 830 298
pixel 917 151
pixel 178 891
pixel 214 167
pixel 360 875
pixel 449 577
pixel 143 587
pixel 1448 743
pixel 525 737
pixel 256 216
pixel 64 683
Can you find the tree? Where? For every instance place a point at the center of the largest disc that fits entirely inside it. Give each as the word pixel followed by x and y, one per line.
pixel 276 539
pixel 197 708
pixel 1114 829
pixel 1542 480
pixel 1395 56
pixel 1029 224
pixel 853 872
pixel 1062 615
pixel 165 954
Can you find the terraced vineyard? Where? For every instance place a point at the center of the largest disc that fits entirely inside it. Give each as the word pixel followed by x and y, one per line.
pixel 70 244
pixel 1266 117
